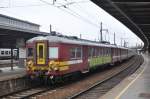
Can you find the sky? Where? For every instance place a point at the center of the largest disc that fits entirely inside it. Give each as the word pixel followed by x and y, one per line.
pixel 70 17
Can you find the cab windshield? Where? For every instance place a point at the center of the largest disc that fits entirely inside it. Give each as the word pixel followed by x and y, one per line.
pixel 41 52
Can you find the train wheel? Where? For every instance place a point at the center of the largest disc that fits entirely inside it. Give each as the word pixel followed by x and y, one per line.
pixel 49 80
pixel 45 80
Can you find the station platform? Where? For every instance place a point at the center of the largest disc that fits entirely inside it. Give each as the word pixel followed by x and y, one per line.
pixel 6 73
pixel 136 86
pixel 7 61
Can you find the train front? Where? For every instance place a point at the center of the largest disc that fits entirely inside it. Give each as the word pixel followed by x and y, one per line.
pixel 38 63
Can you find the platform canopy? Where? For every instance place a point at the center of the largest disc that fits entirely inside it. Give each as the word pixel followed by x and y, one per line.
pixel 135 14
pixel 13 31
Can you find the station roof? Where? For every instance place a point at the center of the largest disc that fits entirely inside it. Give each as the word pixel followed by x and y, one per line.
pixel 9 17
pixel 9 35
pixel 12 29
pixel 135 14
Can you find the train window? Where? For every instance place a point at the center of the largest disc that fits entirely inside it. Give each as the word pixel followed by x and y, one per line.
pixel 108 52
pixel 41 51
pixel 98 50
pixel 2 52
pixel 6 52
pixel 53 52
pixel 95 52
pixel 30 52
pixel 101 51
pixel 73 53
pixel 78 52
pixel 104 51
pixel 89 52
pixel 9 52
pixel 114 51
pixel 92 52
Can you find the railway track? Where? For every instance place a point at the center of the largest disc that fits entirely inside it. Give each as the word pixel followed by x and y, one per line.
pixel 100 88
pixel 7 63
pixel 79 89
pixel 25 94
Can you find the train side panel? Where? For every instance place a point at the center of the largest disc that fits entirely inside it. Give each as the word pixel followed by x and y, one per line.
pixel 99 56
pixel 66 56
pixel 115 55
pixel 74 56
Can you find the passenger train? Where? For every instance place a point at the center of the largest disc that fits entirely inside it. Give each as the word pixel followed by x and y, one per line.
pixel 5 53
pixel 54 56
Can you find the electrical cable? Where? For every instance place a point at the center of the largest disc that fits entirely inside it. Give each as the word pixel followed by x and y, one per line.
pixel 75 14
pixel 84 19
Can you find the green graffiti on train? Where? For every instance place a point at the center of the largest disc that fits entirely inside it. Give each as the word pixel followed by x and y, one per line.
pixel 99 61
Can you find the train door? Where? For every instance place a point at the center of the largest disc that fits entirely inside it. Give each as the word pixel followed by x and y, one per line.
pixel 119 54
pixel 117 51
pixel 85 56
pixel 113 55
pixel 41 53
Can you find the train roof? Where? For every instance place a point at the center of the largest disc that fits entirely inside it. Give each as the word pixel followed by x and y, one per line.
pixel 70 40
pixel 6 49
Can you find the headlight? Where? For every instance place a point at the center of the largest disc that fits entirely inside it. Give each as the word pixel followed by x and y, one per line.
pixel 30 63
pixel 25 62
pixel 51 63
pixel 55 68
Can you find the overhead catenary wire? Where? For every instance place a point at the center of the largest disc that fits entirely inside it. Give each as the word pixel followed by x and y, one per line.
pixel 77 6
pixel 61 6
pixel 23 6
pixel 73 2
pixel 30 5
pixel 85 12
pixel 75 14
pixel 65 8
pixel 83 18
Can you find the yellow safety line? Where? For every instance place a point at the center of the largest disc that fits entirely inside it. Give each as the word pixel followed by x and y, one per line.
pixel 125 89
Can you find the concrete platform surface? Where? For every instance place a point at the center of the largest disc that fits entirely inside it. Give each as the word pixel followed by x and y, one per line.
pixel 136 86
pixel 7 61
pixel 6 73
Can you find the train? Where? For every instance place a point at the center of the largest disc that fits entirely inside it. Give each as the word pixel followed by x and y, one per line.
pixel 5 53
pixel 57 56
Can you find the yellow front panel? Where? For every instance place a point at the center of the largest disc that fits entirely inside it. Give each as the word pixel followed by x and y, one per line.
pixel 63 68
pixel 41 58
